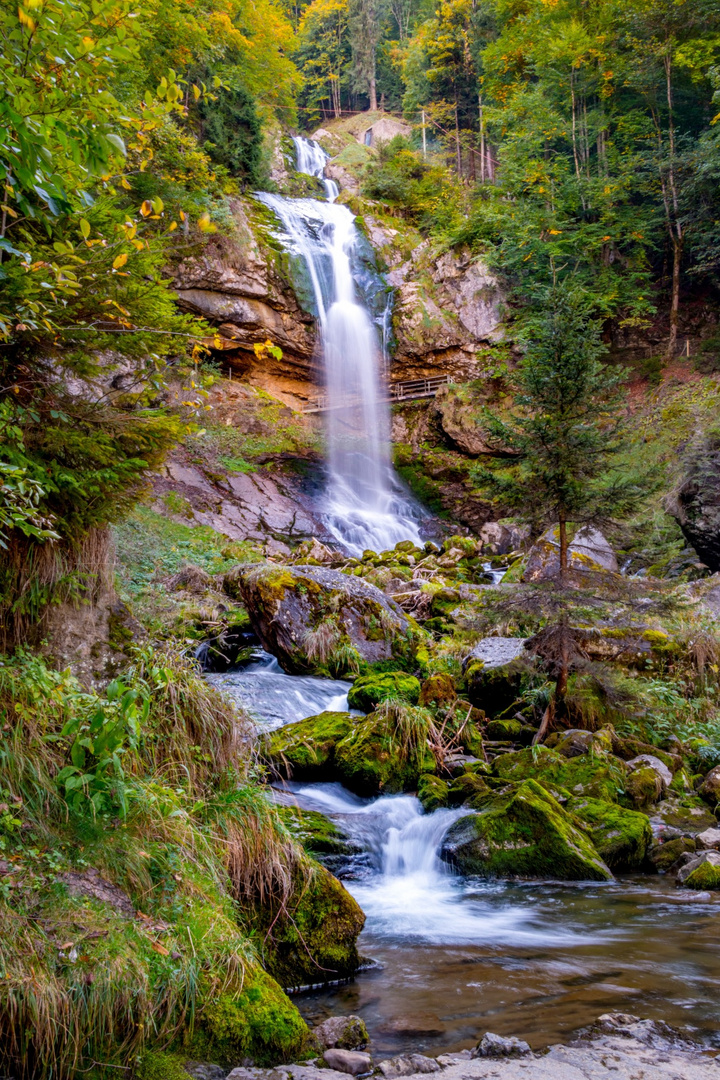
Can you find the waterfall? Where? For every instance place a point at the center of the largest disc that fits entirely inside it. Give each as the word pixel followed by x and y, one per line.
pixel 365 505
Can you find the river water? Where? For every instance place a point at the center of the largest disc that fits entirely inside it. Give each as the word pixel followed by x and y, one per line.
pixel 457 957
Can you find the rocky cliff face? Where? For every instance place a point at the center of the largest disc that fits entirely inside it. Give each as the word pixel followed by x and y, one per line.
pixel 236 282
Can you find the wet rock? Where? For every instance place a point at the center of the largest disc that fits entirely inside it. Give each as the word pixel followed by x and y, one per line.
pixel 433 792
pixel 368 691
pixel 701 872
pixel 621 837
pixel 710 787
pixel 522 833
pixel 696 505
pixel 407 1065
pixel 496 1046
pixel 494 672
pixel 665 856
pixel 304 615
pixel 348 1061
pixel 588 552
pixel 652 1033
pixel 708 840
pixel 345 1032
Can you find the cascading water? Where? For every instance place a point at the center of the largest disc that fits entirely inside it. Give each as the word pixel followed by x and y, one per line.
pixel 366 506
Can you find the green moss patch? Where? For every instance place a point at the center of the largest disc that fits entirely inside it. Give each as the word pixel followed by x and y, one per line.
pixel 621 837
pixel 369 691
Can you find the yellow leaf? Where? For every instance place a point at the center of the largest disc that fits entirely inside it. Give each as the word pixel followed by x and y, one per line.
pixel 85 228
pixel 124 183
pixel 137 244
pixel 120 261
pixel 182 215
pixel 173 226
pixel 196 92
pixel 146 208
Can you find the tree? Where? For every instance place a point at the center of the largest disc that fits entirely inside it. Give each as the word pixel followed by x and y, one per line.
pixel 324 53
pixel 366 21
pixel 231 132
pixel 560 446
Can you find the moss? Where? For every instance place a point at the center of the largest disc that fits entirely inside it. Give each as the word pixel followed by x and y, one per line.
pixel 317 833
pixel 259 1022
pixel 495 689
pixel 467 789
pixel 514 573
pixel 312 938
pixel 369 691
pixel 511 730
pixel 598 776
pixel 706 876
pixel 432 792
pixel 643 787
pixel 621 837
pixel 666 855
pixel 308 746
pixel 371 759
pixel 160 1066
pixel 438 690
pixel 523 833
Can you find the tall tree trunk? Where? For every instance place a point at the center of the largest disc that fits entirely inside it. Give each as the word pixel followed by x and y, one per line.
pixel 373 93
pixel 563 550
pixel 457 139
pixel 677 246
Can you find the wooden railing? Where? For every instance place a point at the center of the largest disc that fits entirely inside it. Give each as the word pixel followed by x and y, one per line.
pixel 402 391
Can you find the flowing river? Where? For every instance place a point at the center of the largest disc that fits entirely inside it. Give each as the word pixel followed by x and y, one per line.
pixel 457 957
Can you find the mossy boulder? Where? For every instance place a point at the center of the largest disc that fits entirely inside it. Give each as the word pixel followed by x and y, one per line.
pixel 306 750
pixel 433 792
pixel 598 776
pixel 644 786
pixel 375 758
pixel 438 690
pixel 317 833
pixel 512 730
pixel 312 936
pixel 494 673
pixel 621 837
pixel 369 691
pixel 705 876
pixel 524 833
pixel 307 616
pixel 257 1021
pixel 664 856
pixel 710 787
pixel 575 742
pixel 467 789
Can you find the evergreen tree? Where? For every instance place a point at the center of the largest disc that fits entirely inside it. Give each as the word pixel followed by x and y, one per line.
pixel 231 132
pixel 560 446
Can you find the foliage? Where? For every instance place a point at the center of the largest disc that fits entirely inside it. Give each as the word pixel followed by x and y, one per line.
pixel 560 447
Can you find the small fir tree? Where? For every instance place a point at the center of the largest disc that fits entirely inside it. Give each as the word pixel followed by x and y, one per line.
pixel 559 449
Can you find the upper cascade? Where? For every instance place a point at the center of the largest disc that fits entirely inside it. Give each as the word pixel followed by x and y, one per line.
pixel 366 506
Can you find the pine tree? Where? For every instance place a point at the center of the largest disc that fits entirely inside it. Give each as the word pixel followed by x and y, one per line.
pixel 559 449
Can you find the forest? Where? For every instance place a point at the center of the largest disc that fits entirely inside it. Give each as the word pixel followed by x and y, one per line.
pixel 359 539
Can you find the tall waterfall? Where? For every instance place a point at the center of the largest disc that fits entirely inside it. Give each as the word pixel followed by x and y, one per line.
pixel 365 505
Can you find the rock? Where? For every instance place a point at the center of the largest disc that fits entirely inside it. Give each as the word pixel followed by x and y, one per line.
pixel 512 730
pixel 494 672
pixel 588 551
pixel 433 792
pixel 575 743
pixel 710 787
pixel 345 1032
pixel 302 614
pixel 621 837
pixel 696 505
pixel 522 833
pixel 645 786
pixel 88 883
pixel 407 1065
pixel 596 776
pixel 438 690
pixel 495 1046
pixel 664 856
pixel 369 690
pixel 348 1061
pixel 651 762
pixel 709 839
pixel 200 1070
pixel 706 865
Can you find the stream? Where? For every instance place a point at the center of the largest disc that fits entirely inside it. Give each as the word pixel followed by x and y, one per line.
pixel 456 957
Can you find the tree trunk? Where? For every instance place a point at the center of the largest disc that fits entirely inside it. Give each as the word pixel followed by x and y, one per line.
pixel 373 94
pixel 563 550
pixel 457 140
pixel 677 246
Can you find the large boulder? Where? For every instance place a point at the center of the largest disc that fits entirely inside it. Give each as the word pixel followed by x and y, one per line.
pixel 621 837
pixel 307 616
pixel 369 690
pixel 596 776
pixel 494 671
pixel 588 552
pixel 523 832
pixel 696 505
pixel 710 787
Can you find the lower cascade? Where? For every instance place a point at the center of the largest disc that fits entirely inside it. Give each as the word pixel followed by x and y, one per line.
pixel 365 504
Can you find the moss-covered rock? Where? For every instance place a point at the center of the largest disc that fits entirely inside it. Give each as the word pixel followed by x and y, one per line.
pixel 597 776
pixel 304 615
pixel 438 690
pixel 312 937
pixel 523 833
pixel 710 787
pixel 383 755
pixel 467 789
pixel 495 672
pixel 369 691
pixel 257 1021
pixel 621 837
pixel 317 833
pixel 306 750
pixel 644 786
pixel 706 876
pixel 664 856
pixel 433 792
pixel 512 730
